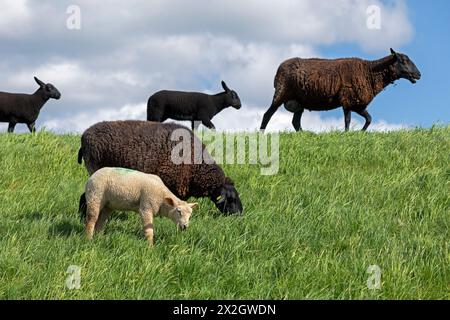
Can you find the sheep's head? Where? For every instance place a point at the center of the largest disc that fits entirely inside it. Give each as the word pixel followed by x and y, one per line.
pixel 227 199
pixel 404 68
pixel 179 212
pixel 232 98
pixel 49 90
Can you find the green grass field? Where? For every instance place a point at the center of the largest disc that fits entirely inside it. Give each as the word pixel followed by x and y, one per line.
pixel 340 203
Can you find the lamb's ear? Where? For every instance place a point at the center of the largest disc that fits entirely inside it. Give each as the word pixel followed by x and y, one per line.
pixel 170 202
pixel 193 205
pixel 39 82
pixel 225 87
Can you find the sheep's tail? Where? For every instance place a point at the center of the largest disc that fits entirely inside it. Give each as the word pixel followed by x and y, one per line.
pixel 82 209
pixel 80 156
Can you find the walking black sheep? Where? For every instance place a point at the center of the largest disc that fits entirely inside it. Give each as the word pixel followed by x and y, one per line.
pixel 319 84
pixel 147 147
pixel 24 108
pixel 190 106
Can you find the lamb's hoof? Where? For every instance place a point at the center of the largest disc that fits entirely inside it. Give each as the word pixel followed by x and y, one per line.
pixel 150 242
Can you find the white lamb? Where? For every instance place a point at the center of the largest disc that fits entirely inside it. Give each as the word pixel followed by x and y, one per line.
pixel 111 189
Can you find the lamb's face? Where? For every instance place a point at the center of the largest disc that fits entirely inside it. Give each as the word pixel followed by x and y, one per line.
pixel 52 92
pixel 48 89
pixel 234 100
pixel 180 213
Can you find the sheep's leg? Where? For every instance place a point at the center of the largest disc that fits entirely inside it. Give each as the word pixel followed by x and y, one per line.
pixel 195 124
pixel 93 210
pixel 102 219
pixel 366 116
pixel 276 103
pixel 11 127
pixel 154 114
pixel 207 123
pixel 297 120
pixel 147 221
pixel 348 118
pixel 31 127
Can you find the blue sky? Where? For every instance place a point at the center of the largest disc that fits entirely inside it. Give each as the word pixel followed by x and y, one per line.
pixel 124 52
pixel 427 102
pixel 430 101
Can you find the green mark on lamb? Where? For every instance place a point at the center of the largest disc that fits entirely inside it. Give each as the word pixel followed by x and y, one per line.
pixel 124 170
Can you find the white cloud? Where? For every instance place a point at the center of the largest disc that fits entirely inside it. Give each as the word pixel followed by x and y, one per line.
pixel 283 21
pixel 230 120
pixel 187 60
pixel 13 17
pixel 249 119
pixel 127 51
pixel 84 120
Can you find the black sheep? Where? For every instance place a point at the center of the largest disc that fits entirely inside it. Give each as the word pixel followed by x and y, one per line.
pixel 190 106
pixel 24 108
pixel 320 84
pixel 148 147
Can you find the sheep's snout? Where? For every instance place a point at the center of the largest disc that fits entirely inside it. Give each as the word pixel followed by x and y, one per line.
pixel 182 227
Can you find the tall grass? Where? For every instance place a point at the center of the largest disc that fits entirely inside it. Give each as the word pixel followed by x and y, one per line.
pixel 340 203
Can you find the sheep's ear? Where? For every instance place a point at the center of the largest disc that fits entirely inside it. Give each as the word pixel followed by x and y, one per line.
pixel 229 181
pixel 193 205
pixel 39 82
pixel 170 202
pixel 394 54
pixel 225 87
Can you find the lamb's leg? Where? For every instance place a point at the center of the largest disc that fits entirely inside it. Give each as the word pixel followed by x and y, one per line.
pixel 207 123
pixel 195 124
pixel 276 103
pixel 297 120
pixel 102 219
pixel 348 118
pixel 93 210
pixel 154 114
pixel 31 127
pixel 366 116
pixel 147 221
pixel 11 127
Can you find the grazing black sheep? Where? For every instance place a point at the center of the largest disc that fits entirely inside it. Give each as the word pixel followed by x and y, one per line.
pixel 190 106
pixel 148 147
pixel 319 84
pixel 24 108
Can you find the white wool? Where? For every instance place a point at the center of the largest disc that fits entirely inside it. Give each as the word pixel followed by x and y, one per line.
pixel 111 189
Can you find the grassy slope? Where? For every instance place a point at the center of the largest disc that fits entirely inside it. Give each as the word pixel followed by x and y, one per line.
pixel 341 203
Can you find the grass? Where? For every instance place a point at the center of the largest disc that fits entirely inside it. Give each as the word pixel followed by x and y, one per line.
pixel 340 203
